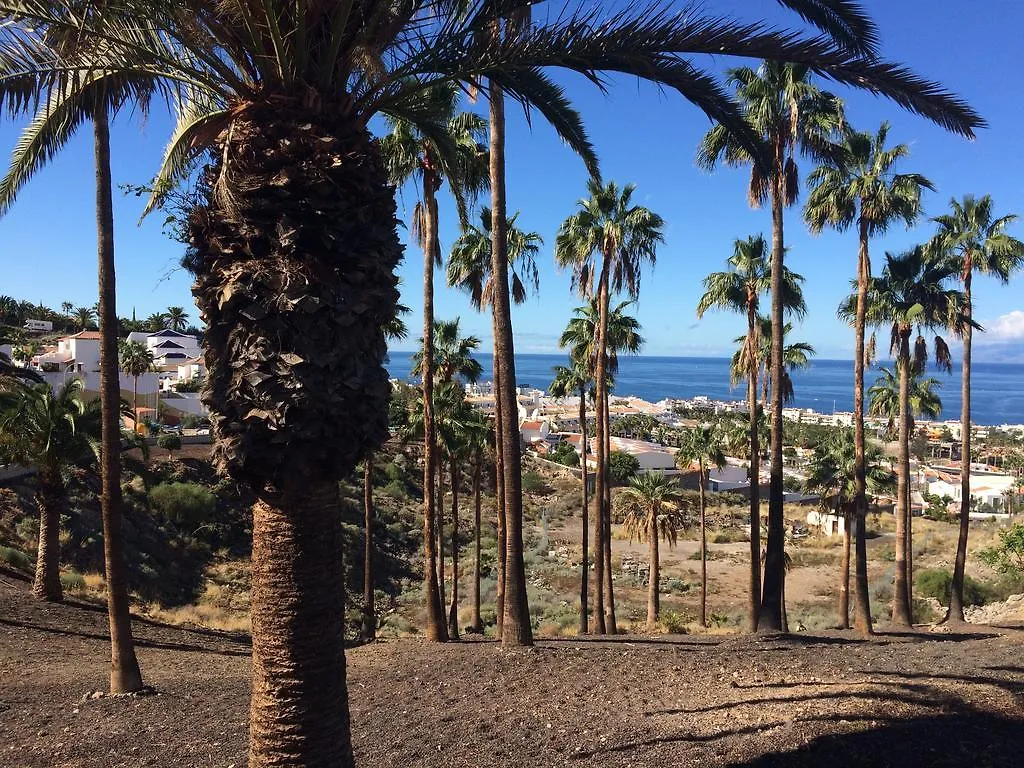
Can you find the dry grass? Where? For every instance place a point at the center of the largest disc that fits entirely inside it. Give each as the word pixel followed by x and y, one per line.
pixel 201 615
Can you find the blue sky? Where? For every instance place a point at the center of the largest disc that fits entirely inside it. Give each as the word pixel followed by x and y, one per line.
pixel 642 136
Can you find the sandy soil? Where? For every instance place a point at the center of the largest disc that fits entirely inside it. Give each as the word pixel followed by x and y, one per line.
pixel 807 700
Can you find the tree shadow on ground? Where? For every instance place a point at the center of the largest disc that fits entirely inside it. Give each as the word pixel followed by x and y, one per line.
pixel 231 637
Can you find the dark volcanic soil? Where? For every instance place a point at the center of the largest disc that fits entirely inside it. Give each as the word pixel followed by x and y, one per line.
pixel 823 700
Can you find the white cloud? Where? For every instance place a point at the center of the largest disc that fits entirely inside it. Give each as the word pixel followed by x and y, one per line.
pixel 1008 326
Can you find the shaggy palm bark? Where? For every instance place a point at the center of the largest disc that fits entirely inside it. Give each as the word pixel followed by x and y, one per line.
pixel 453 610
pixel 295 251
pixel 653 575
pixel 369 611
pixel 584 565
pixel 754 605
pixel 844 574
pixel 433 595
pixel 476 624
pixel 901 613
pixel 955 614
pixel 125 675
pixel 770 618
pixel 516 628
pixel 862 619
pixel 50 500
pixel 703 617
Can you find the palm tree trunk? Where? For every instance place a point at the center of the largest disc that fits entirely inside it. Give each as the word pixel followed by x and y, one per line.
pixel 435 624
pixel 862 619
pixel 755 472
pixel 956 595
pixel 606 512
pixel 499 496
pixel 125 676
pixel 440 534
pixel 703 618
pixel 585 566
pixel 476 624
pixel 901 615
pixel 770 619
pixel 601 476
pixel 299 713
pixel 369 611
pixel 135 403
pixel 453 611
pixel 516 629
pixel 844 575
pixel 653 576
pixel 50 500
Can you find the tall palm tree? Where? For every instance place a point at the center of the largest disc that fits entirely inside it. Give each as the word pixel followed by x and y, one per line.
pixel 704 447
pixel 650 508
pixel 445 147
pixel 795 356
pixel 9 310
pixel 792 117
pixel 833 473
pixel 976 241
pixel 315 213
pixel 911 294
pixel 135 359
pixel 859 186
pixel 49 431
pixel 156 322
pixel 575 379
pixel 85 317
pixel 580 337
pixel 740 290
pixel 176 319
pixel 922 398
pixel 66 307
pixel 481 441
pixel 611 239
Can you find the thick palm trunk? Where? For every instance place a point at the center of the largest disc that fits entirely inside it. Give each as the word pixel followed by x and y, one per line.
pixel 51 501
pixel 956 594
pixel 606 513
pixel 439 544
pixel 862 620
pixel 754 605
pixel 516 629
pixel 453 611
pixel 901 612
pixel 601 476
pixel 499 495
pixel 770 619
pixel 476 624
pixel 584 565
pixel 653 576
pixel 435 623
pixel 299 713
pixel 844 575
pixel 369 610
pixel 703 617
pixel 125 675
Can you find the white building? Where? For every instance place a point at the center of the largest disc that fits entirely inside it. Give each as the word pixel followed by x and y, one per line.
pixel 987 487
pixel 650 455
pixel 169 348
pixel 79 353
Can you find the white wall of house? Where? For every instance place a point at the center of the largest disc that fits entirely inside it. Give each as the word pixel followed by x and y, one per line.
pixel 147 382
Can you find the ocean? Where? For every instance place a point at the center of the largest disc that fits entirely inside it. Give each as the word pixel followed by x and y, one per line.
pixel 997 390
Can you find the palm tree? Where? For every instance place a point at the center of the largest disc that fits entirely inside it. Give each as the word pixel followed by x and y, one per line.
pixel 795 356
pixel 650 509
pixel 859 186
pixel 66 307
pixel 469 264
pixel 49 431
pixel 702 446
pixel 8 310
pixel 85 317
pixel 833 473
pixel 922 397
pixel 444 147
pixel 791 116
pixel 481 440
pixel 470 267
pixel 135 359
pixel 576 379
pixel 156 322
pixel 911 293
pixel 740 290
pixel 315 213
pixel 610 238
pixel 11 376
pixel 580 337
pixel 176 319
pixel 975 240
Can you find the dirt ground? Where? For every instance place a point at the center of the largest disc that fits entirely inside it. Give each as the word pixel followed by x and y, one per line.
pixel 805 700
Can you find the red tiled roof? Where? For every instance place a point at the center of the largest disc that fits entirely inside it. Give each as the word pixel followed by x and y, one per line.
pixel 92 335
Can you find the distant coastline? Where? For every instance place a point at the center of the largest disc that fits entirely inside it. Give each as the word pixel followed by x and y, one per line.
pixel 827 386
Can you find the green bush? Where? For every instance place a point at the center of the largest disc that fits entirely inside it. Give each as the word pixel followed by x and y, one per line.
pixel 673 622
pixel 1008 556
pixel 622 467
pixel 169 442
pixel 190 421
pixel 16 559
pixel 72 581
pixel 534 483
pixel 186 504
pixel 730 536
pixel 564 453
pixel 395 489
pixel 938 583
